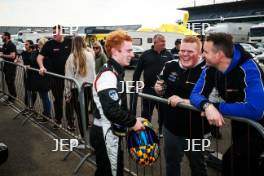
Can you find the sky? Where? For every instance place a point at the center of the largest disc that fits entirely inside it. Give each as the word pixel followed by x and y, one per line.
pixel 93 12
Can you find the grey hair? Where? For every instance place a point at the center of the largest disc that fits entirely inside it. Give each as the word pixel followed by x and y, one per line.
pixel 157 37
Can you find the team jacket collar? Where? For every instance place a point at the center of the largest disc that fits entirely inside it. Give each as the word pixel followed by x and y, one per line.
pixel 235 59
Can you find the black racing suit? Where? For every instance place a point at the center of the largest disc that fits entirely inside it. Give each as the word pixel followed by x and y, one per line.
pixel 111 108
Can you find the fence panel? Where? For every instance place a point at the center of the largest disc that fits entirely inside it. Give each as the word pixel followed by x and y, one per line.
pixel 213 154
pixel 13 81
pixel 63 103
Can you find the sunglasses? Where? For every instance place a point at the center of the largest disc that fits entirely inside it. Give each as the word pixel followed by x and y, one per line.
pixel 96 47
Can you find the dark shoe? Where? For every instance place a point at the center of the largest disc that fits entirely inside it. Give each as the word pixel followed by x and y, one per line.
pixel 11 99
pixel 57 126
pixel 71 128
pixel 7 102
pixel 43 120
pixel 46 114
pixel 25 113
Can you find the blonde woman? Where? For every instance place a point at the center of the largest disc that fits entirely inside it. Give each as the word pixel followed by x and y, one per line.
pixel 81 66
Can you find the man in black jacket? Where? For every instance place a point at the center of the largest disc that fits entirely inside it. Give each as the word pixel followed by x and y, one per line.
pixel 151 63
pixel 181 124
pixel 176 49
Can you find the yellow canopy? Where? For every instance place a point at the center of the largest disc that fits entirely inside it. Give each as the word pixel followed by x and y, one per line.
pixel 179 28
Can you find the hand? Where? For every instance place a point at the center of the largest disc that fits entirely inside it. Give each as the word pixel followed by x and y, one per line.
pixel 202 114
pixel 213 116
pixel 67 98
pixel 42 71
pixel 159 87
pixel 1 54
pixel 138 125
pixel 174 100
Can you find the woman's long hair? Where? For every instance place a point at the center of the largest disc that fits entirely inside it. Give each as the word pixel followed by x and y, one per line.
pixel 78 48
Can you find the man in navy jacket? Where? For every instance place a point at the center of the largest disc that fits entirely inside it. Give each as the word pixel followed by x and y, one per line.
pixel 239 81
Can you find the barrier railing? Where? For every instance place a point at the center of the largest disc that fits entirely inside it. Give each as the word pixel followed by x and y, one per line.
pixel 72 101
pixel 51 99
pixel 84 95
pixel 2 82
pixel 254 124
pixel 213 154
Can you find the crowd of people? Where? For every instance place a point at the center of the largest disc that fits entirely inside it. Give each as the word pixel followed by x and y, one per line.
pixel 189 74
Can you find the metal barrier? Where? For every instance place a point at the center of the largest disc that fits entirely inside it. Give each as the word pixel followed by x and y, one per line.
pixel 52 98
pixel 84 92
pixel 1 78
pixel 213 154
pixel 13 84
pixel 71 101
pixel 254 124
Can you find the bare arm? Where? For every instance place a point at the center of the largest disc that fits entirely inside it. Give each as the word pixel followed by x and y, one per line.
pixel 11 56
pixel 42 69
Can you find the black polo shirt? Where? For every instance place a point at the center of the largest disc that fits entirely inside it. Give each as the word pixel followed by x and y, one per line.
pixel 57 53
pixel 26 57
pixel 7 49
pixel 151 62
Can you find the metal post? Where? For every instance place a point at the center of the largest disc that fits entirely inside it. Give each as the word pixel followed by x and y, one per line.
pixel 85 130
pixel 2 78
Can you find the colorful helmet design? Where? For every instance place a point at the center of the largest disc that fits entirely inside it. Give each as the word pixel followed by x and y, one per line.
pixel 143 146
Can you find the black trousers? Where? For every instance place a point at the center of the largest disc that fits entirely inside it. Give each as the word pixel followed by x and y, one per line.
pixel 10 76
pixel 29 93
pixel 102 161
pixel 148 107
pixel 74 105
pixel 243 157
pixel 57 88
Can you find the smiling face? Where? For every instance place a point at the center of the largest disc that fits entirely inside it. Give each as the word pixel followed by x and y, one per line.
pixel 124 53
pixel 210 54
pixel 189 54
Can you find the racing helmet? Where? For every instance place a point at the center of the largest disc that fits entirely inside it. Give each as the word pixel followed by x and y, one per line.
pixel 143 146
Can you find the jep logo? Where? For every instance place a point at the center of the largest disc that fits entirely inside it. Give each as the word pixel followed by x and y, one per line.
pixel 65 145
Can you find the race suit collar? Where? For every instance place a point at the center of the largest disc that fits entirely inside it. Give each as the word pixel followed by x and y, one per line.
pixel 116 66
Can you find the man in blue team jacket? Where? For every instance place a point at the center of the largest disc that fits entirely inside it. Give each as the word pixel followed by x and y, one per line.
pixel 239 81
